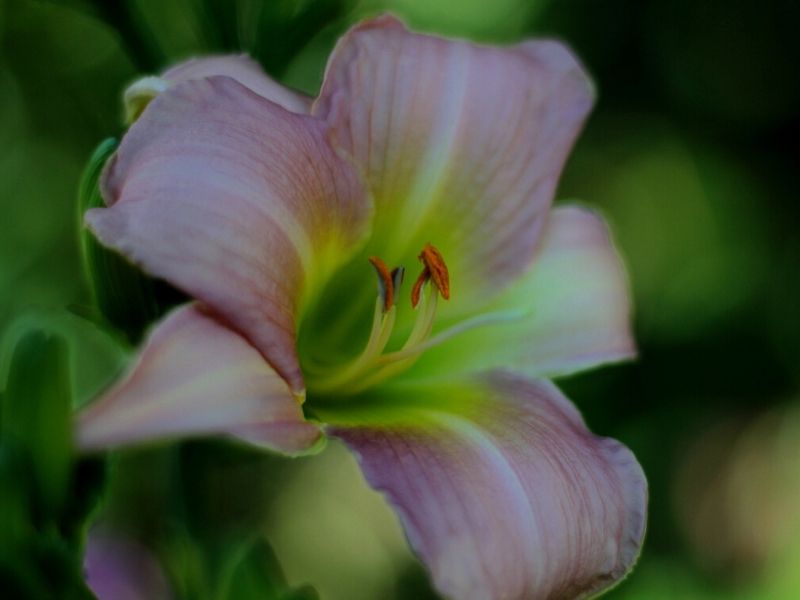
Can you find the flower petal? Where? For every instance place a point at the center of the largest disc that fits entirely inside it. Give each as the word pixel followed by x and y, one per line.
pixel 242 68
pixel 462 145
pixel 195 376
pixel 121 569
pixel 504 493
pixel 237 202
pixel 570 311
pixel 246 71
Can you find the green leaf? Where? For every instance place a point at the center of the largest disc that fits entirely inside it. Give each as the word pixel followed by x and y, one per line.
pixel 45 498
pixel 258 575
pixel 282 28
pixel 89 477
pixel 304 593
pixel 15 526
pixel 36 561
pixel 128 22
pixel 125 297
pixel 37 413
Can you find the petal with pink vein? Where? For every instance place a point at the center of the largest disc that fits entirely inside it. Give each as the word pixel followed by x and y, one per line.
pixel 246 71
pixel 502 490
pixel 242 68
pixel 195 376
pixel 462 145
pixel 236 201
pixel 570 311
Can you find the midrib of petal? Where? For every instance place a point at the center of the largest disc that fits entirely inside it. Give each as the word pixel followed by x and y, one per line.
pixel 427 183
pixel 199 384
pixel 524 509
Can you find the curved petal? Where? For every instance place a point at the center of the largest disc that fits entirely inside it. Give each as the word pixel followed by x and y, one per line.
pixel 246 71
pixel 462 145
pixel 237 202
pixel 569 312
pixel 242 68
pixel 195 376
pixel 504 493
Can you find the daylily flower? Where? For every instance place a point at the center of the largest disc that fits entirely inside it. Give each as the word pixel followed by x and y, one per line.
pixel 276 212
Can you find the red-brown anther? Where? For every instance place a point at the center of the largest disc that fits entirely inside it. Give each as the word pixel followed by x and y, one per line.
pixel 434 262
pixel 435 269
pixel 385 280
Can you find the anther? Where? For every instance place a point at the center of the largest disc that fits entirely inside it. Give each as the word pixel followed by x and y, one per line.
pixel 374 364
pixel 435 269
pixel 386 281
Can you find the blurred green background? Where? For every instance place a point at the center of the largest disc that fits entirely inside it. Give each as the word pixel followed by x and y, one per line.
pixel 692 152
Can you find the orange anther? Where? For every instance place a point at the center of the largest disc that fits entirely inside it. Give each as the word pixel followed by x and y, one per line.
pixel 433 261
pixel 435 269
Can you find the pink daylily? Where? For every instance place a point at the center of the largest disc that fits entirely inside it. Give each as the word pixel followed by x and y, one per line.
pixel 266 206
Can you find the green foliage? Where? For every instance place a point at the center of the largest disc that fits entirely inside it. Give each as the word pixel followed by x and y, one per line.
pixel 36 409
pixel 244 569
pixel 258 576
pixel 235 562
pixel 285 27
pixel 47 493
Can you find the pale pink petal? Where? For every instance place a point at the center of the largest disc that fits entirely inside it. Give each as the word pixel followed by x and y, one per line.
pixel 462 145
pixel 504 493
pixel 195 376
pixel 246 71
pixel 236 201
pixel 570 311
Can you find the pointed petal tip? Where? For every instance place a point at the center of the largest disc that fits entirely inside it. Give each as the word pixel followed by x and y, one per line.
pixel 290 439
pixel 103 224
pixel 385 20
pixel 196 377
pixel 299 395
pixel 560 57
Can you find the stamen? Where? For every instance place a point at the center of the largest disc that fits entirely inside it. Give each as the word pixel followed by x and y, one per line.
pixel 373 366
pixel 434 262
pixel 419 333
pixel 417 289
pixel 435 269
pixel 385 282
pixel 383 320
pixel 382 326
pixel 398 274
